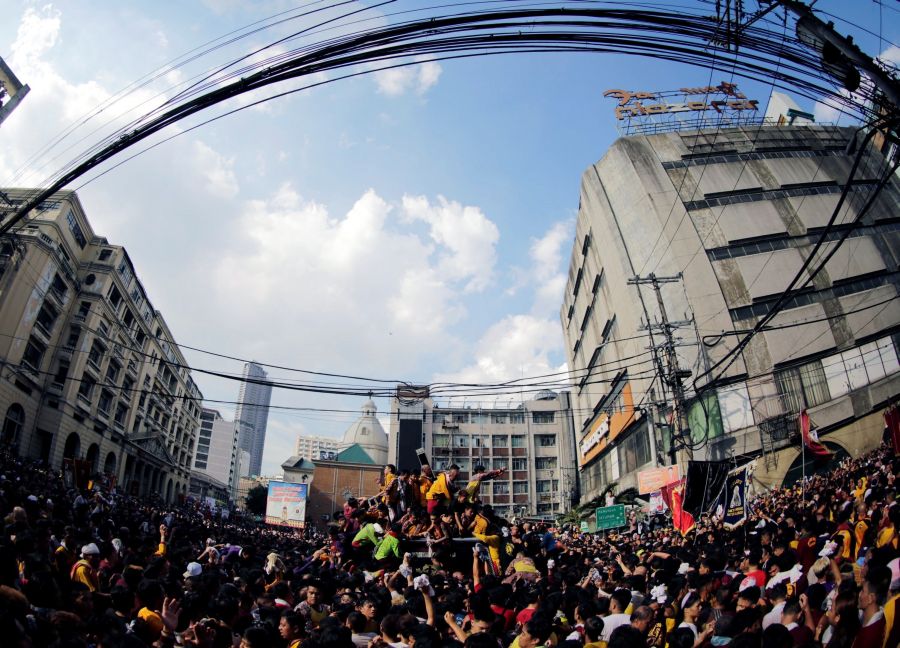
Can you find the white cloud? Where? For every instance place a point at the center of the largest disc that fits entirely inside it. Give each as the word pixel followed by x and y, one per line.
pixel 217 169
pixel 418 78
pixel 517 346
pixel 891 55
pixel 469 237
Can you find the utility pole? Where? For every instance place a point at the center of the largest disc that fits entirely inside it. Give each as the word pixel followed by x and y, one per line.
pixel 673 375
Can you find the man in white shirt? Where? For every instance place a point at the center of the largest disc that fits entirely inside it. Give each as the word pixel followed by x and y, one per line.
pixel 778 596
pixel 618 603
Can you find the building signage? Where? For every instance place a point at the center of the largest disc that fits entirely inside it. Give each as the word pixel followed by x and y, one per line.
pixel 286 504
pixel 610 517
pixel 607 426
pixel 637 104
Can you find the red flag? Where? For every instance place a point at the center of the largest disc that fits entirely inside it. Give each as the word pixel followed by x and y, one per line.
pixel 673 494
pixel 810 438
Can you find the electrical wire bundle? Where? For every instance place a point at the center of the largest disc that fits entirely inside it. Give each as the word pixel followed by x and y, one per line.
pixel 685 34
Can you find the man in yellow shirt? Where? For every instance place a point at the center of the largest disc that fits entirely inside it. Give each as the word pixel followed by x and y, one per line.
pixel 473 488
pixel 85 570
pixel 426 479
pixel 441 491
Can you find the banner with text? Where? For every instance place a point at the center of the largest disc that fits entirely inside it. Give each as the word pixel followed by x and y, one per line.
pixel 286 504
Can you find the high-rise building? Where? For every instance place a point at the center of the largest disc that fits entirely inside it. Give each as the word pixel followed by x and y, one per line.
pixel 316 447
pixel 93 381
pixel 724 219
pixel 217 453
pixel 533 440
pixel 252 414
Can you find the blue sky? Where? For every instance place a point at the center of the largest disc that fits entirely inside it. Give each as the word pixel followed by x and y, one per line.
pixel 415 224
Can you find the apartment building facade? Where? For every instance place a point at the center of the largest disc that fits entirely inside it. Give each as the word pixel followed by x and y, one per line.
pixel 313 447
pixel 728 217
pixel 533 441
pixel 91 380
pixel 217 454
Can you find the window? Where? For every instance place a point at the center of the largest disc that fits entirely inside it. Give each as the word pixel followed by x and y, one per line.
pixel 460 441
pixel 517 417
pixel 136 428
pixel 74 334
pixel 46 318
pixel 542 418
pixel 634 451
pixel 61 372
pixel 34 353
pixel 520 487
pixel 545 440
pixel 112 372
pixel 83 309
pixel 105 254
pixel 479 441
pixel 518 441
pixel 13 424
pixel 542 485
pixel 75 228
pixel 121 414
pixel 520 464
pixel 802 387
pixel 545 463
pixel 498 418
pixel 86 389
pixel 577 285
pixel 58 287
pixel 460 417
pixel 127 389
pixel 501 464
pixel 500 488
pixel 105 402
pixel 500 441
pixel 95 357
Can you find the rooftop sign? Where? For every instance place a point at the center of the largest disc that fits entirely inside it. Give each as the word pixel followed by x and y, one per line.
pixel 646 112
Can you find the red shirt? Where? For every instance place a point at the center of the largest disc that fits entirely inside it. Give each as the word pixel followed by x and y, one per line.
pixel 759 576
pixel 870 635
pixel 509 616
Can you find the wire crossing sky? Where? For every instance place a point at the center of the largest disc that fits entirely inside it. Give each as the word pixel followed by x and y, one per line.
pixel 405 209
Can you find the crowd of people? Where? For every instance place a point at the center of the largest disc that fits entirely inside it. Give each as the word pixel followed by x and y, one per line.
pixel 424 563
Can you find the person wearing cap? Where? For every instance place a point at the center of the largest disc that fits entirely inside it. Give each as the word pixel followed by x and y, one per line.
pixel 85 570
pixel 194 570
pixel 368 536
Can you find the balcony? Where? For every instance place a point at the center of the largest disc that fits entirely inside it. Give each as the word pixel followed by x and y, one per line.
pixel 520 475
pixel 501 499
pixel 500 452
pixel 520 498
pixel 519 452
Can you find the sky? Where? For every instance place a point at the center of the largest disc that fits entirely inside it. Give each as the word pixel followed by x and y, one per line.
pixel 413 224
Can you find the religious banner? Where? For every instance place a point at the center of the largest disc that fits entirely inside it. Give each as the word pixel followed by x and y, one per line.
pixel 734 497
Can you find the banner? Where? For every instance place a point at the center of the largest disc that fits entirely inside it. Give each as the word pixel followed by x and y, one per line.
pixel 732 506
pixel 811 438
pixel 703 485
pixel 673 495
pixel 286 504
pixel 657 503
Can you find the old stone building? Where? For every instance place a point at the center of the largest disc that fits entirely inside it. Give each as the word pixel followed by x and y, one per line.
pixel 91 379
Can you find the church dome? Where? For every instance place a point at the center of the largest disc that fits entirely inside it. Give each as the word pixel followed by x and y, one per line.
pixel 368 433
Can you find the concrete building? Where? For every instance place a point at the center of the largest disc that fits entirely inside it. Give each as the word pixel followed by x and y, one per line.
pixel 533 440
pixel 252 414
pixel 351 474
pixel 316 447
pixel 736 212
pixel 91 379
pixel 368 433
pixel 217 454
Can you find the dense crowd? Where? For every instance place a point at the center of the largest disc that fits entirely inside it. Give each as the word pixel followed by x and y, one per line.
pixel 424 563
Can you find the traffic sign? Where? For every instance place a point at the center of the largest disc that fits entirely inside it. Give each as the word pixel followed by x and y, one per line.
pixel 610 517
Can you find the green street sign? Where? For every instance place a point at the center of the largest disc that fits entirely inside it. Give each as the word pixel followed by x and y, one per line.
pixel 584 527
pixel 610 517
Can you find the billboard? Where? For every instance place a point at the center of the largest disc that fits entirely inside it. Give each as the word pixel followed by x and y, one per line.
pixel 286 504
pixel 12 91
pixel 654 479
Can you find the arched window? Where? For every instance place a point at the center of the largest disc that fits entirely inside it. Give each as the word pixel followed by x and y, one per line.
pixel 13 424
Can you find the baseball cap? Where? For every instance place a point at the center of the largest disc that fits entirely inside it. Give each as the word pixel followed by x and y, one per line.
pixel 377 528
pixel 193 569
